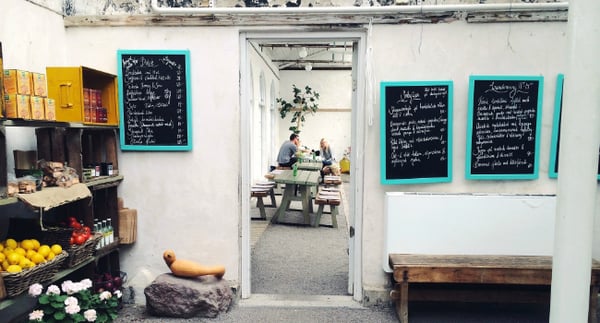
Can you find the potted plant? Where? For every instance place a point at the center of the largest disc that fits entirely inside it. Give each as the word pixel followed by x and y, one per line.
pixel 304 102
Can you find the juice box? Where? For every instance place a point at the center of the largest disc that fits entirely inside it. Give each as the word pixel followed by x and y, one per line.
pixel 37 108
pixel 50 109
pixel 24 82
pixel 40 87
pixel 18 106
pixel 10 81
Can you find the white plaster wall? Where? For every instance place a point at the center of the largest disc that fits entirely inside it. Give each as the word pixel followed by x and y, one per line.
pixel 190 201
pixel 32 38
pixel 453 52
pixel 187 201
pixel 335 92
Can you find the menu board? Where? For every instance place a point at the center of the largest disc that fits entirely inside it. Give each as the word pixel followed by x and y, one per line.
pixel 415 132
pixel 154 100
pixel 504 121
pixel 555 145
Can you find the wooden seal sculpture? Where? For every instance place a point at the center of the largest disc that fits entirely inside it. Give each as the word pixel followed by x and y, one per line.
pixel 188 268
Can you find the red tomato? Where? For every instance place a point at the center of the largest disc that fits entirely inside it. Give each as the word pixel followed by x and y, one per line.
pixel 72 240
pixel 75 225
pixel 80 239
pixel 87 229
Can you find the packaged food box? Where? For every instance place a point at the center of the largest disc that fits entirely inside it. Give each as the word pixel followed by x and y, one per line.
pixel 10 82
pixel 1 114
pixel 37 108
pixel 50 109
pixel 18 106
pixel 40 86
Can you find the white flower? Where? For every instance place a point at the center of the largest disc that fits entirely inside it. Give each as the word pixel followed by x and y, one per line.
pixel 77 287
pixel 53 290
pixel 67 287
pixel 105 295
pixel 71 301
pixel 72 308
pixel 36 315
pixel 35 289
pixel 87 283
pixel 118 293
pixel 90 315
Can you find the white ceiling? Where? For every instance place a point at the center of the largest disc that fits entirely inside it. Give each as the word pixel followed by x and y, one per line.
pixel 327 55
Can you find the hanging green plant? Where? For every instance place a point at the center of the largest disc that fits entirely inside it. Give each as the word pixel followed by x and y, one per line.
pixel 304 102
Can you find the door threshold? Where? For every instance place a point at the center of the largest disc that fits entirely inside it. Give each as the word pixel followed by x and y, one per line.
pixel 287 300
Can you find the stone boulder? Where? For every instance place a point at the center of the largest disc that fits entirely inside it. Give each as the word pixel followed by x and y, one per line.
pixel 171 296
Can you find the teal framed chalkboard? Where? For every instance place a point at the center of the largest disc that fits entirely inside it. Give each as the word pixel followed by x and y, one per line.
pixel 503 127
pixel 155 100
pixel 416 132
pixel 555 144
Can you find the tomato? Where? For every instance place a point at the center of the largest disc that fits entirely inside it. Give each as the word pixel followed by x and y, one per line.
pixel 72 240
pixel 75 225
pixel 79 239
pixel 87 229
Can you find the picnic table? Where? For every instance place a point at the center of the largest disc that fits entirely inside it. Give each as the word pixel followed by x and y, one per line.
pixel 304 181
pixel 310 165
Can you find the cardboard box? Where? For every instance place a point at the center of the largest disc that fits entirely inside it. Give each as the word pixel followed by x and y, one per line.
pixel 37 108
pixel 50 109
pixel 18 106
pixel 127 226
pixel 40 87
pixel 10 82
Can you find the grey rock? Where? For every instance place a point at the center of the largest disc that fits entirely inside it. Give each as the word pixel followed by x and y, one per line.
pixel 171 296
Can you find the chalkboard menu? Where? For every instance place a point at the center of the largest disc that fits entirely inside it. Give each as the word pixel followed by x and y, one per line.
pixel 555 145
pixel 154 100
pixel 415 132
pixel 504 120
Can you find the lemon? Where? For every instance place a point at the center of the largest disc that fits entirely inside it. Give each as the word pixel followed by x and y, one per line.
pixel 14 269
pixel 2 257
pixel 30 253
pixel 20 251
pixel 27 244
pixel 44 250
pixel 56 248
pixel 5 264
pixel 36 244
pixel 37 259
pixel 14 258
pixel 11 243
pixel 1 247
pixel 50 256
pixel 24 263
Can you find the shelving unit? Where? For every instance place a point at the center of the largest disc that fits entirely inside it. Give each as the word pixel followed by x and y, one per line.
pixel 78 144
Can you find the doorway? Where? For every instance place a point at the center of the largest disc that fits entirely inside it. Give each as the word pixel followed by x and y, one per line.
pixel 248 44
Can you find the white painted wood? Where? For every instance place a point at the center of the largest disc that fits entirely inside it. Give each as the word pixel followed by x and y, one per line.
pixel 468 224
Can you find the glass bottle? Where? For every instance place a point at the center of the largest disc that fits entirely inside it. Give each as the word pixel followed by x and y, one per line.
pixel 111 232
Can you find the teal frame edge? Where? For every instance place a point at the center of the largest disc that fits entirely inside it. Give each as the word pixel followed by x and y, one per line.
pixel 186 54
pixel 535 174
pixel 556 126
pixel 383 138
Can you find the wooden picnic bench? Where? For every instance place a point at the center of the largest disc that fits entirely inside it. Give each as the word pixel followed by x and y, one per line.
pixel 327 196
pixel 525 273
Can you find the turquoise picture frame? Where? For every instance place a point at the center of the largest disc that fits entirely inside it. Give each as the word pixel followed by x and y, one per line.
pixel 155 100
pixel 514 160
pixel 435 165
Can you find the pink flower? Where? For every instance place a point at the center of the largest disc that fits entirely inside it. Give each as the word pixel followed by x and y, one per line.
pixel 36 315
pixel 90 315
pixel 35 289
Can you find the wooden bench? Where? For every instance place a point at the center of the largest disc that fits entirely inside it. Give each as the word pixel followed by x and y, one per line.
pixel 493 272
pixel 327 196
pixel 332 180
pixel 259 191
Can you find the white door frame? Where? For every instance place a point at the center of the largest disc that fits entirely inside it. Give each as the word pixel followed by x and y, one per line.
pixel 358 141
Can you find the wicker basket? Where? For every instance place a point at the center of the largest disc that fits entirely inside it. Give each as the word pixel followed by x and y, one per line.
pixel 17 283
pixel 58 235
pixel 80 253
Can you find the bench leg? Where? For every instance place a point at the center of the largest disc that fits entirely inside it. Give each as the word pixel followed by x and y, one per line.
pixel 318 216
pixel 334 213
pixel 261 207
pixel 272 194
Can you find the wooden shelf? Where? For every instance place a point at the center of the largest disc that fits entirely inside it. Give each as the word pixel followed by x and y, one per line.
pixel 46 124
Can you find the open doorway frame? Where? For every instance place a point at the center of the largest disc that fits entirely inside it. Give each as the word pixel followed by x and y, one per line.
pixel 358 126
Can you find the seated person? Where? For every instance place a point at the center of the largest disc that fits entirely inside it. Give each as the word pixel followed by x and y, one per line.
pixel 326 155
pixel 287 152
